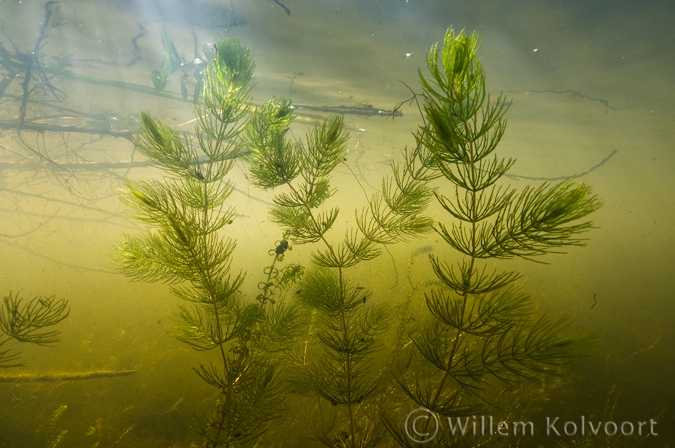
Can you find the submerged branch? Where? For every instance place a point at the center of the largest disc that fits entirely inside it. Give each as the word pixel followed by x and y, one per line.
pixel 32 378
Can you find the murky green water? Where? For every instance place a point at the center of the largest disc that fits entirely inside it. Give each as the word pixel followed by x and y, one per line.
pixel 592 92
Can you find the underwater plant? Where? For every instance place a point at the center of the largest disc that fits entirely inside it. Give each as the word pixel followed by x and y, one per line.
pixel 336 365
pixel 482 327
pixel 24 322
pixel 184 247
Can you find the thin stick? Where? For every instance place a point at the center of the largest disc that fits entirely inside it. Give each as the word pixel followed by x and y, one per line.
pixel 571 176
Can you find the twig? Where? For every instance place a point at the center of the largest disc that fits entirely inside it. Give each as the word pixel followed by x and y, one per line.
pixel 366 110
pixel 42 127
pixel 572 176
pixel 574 93
pixel 288 11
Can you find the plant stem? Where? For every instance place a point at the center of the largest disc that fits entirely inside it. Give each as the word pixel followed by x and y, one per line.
pixel 343 319
pixel 465 294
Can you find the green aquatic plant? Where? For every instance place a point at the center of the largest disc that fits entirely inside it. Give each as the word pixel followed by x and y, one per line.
pixel 185 247
pixel 482 326
pixel 338 369
pixel 23 321
pixel 171 62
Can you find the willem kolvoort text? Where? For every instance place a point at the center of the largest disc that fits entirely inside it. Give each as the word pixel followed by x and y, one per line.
pixel 482 425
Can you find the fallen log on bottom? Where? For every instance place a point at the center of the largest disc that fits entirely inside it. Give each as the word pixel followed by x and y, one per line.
pixel 65 376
